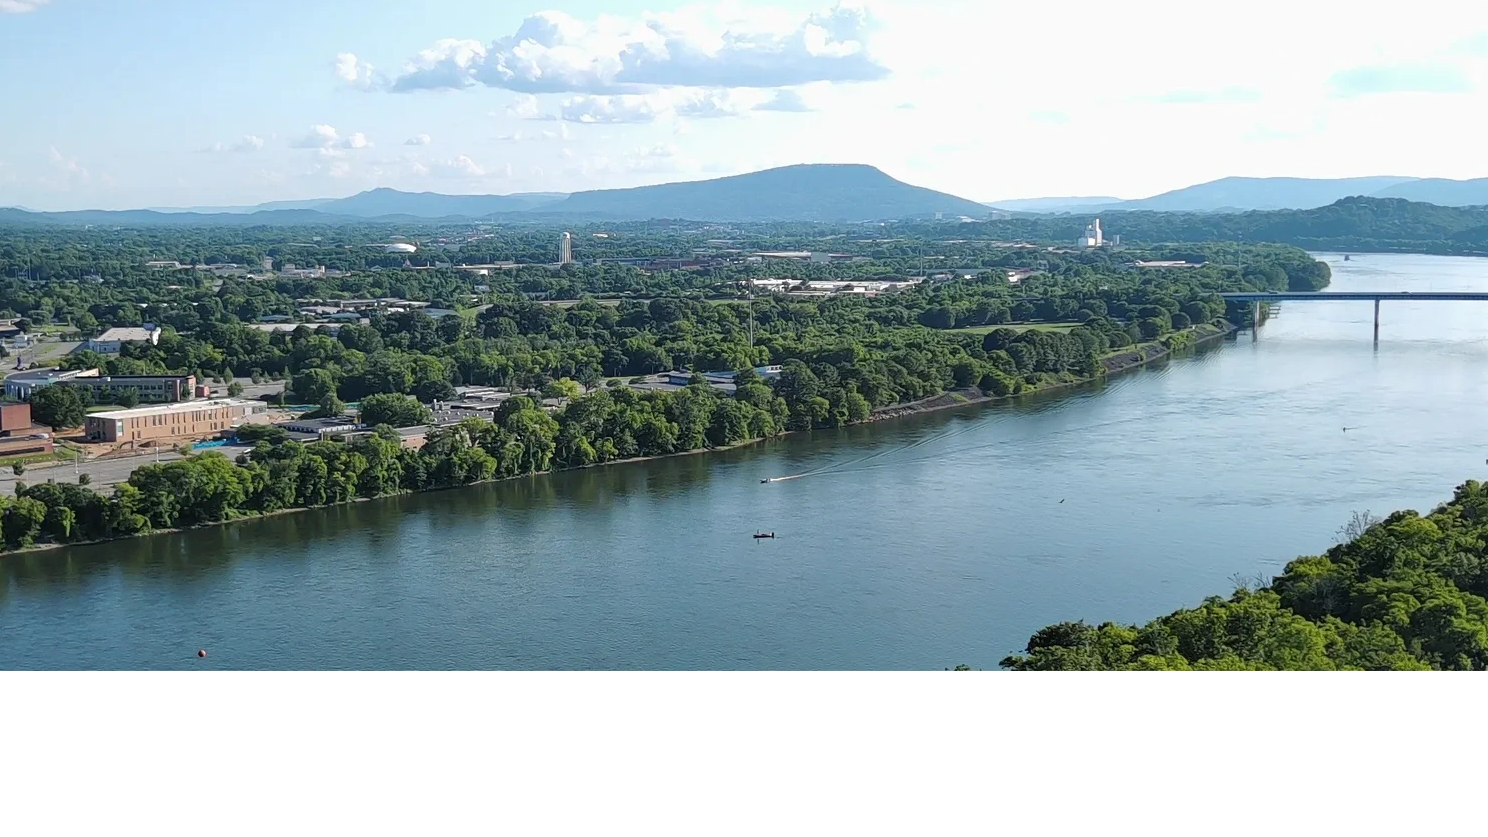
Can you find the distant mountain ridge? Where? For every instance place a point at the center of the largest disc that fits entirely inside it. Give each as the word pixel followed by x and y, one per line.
pixel 840 192
pixel 827 192
pixel 378 202
pixel 818 192
pixel 1245 194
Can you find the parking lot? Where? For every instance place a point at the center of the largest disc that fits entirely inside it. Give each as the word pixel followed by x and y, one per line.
pixel 106 473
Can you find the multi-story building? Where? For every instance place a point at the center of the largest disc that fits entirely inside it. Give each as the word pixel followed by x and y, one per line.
pixel 20 385
pixel 18 435
pixel 152 389
pixel 171 422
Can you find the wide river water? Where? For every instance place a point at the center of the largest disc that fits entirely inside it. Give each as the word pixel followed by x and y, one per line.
pixel 931 541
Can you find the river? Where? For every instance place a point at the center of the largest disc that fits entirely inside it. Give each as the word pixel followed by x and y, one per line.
pixel 940 539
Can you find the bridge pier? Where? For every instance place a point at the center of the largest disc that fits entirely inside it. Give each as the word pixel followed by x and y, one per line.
pixel 1255 322
pixel 1376 320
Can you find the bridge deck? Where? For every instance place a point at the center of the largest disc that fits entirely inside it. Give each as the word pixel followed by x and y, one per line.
pixel 1356 296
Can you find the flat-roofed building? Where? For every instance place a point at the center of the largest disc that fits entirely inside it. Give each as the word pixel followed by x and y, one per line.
pixel 152 389
pixel 171 422
pixel 111 342
pixel 20 385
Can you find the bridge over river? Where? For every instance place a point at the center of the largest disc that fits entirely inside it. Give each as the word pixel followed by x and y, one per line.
pixel 1376 297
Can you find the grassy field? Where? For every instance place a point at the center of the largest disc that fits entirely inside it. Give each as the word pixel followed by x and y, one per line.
pixel 1017 327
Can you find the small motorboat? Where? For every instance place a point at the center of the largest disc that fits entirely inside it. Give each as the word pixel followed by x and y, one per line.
pixel 760 535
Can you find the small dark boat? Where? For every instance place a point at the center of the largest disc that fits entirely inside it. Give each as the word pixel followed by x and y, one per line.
pixel 1345 257
pixel 759 535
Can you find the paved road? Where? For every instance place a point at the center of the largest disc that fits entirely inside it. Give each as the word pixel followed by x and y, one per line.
pixel 106 473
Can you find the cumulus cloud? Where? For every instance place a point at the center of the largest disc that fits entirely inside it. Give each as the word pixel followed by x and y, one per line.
pixel 249 142
pixel 329 141
pixel 786 101
pixel 356 72
pixel 525 107
pixel 419 139
pixel 466 166
pixel 552 52
pixel 461 166
pixel 17 7
pixel 448 64
pixel 669 103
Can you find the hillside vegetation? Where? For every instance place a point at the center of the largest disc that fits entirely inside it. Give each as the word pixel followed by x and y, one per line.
pixel 793 193
pixel 1405 593
pixel 1367 224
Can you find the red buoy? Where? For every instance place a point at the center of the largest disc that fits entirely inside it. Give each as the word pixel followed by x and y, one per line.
pixel 202 653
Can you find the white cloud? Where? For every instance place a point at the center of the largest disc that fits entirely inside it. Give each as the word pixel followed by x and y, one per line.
pixel 356 72
pixel 666 159
pixel 786 101
pixel 670 103
pixel 448 64
pixel 18 7
pixel 329 141
pixel 249 142
pixel 552 52
pixel 463 167
pixel 562 133
pixel 72 173
pixel 419 139
pixel 524 107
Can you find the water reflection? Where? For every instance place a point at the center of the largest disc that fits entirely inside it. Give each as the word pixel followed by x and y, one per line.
pixel 927 541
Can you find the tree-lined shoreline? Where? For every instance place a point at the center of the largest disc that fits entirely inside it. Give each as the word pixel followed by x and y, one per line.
pixel 461 456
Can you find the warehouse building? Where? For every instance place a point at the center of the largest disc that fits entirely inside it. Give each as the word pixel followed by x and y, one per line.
pixel 171 422
pixel 112 342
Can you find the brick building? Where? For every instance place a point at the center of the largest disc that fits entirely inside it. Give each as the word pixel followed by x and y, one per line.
pixel 18 435
pixel 171 422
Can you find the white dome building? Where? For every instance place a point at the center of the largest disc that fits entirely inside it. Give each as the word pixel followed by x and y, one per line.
pixel 401 247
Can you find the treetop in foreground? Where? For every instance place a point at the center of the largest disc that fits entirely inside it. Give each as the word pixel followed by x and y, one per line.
pixel 1404 593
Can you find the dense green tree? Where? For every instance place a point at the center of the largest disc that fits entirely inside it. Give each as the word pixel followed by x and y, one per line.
pixel 392 409
pixel 58 406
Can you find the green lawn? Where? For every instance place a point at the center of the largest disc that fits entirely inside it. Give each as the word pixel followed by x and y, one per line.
pixel 58 455
pixel 1017 327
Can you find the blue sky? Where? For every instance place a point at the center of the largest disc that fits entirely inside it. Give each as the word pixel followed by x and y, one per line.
pixel 127 103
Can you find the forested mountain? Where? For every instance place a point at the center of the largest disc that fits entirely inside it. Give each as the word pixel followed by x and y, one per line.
pixel 152 218
pixel 1232 194
pixel 822 193
pixel 1439 191
pixel 1365 224
pixel 792 193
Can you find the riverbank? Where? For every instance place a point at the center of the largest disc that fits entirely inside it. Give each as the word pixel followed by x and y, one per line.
pixel 1114 363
